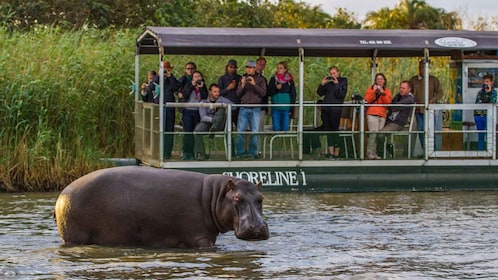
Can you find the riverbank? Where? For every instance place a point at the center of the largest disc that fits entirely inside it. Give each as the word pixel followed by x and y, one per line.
pixel 66 100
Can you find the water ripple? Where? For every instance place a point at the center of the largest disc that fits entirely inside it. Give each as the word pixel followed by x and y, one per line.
pixel 449 235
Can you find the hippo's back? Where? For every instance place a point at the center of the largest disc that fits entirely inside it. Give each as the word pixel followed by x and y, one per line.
pixel 128 205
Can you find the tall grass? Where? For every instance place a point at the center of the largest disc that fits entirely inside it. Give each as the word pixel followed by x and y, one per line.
pixel 65 99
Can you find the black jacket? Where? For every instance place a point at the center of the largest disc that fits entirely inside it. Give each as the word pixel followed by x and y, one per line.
pixel 333 93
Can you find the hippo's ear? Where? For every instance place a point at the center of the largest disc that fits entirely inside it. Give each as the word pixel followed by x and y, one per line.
pixel 260 185
pixel 230 185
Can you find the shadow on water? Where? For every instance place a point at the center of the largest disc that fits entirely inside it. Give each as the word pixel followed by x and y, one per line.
pixel 313 236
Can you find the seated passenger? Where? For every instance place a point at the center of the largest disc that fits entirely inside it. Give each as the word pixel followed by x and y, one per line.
pixel 397 117
pixel 212 119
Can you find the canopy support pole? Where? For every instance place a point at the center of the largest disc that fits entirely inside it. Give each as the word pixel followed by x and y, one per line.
pixel 301 101
pixel 373 64
pixel 426 103
pixel 161 105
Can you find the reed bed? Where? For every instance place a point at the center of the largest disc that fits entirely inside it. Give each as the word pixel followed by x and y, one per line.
pixel 66 102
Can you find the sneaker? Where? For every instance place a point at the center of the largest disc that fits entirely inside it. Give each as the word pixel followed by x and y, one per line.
pixel 315 154
pixel 373 156
pixel 188 156
pixel 200 156
pixel 329 156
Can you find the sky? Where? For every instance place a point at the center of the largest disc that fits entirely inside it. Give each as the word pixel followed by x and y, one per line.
pixel 465 8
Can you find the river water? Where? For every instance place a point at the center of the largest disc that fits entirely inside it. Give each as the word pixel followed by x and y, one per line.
pixel 403 235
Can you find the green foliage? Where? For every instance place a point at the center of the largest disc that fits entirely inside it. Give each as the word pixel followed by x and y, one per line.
pixel 412 14
pixel 64 104
pixel 100 14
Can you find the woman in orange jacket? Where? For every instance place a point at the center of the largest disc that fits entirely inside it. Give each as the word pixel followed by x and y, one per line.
pixel 378 93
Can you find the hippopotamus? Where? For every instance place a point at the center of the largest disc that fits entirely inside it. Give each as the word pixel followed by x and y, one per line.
pixel 153 207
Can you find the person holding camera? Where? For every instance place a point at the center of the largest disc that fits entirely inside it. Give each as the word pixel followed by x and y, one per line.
pixel 170 86
pixel 193 92
pixel 228 86
pixel 282 90
pixel 251 90
pixel 148 88
pixel 376 94
pixel 485 95
pixel 333 88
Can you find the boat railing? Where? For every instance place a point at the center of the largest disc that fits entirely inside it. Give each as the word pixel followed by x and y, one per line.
pixel 449 132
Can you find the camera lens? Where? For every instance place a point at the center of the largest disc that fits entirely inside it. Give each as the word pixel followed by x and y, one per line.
pixel 199 82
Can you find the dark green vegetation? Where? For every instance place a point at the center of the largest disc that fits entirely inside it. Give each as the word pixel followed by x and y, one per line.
pixel 66 71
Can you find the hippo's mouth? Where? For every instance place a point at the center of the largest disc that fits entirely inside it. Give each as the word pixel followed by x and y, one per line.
pixel 253 233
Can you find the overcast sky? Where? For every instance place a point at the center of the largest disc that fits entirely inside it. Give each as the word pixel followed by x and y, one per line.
pixel 465 8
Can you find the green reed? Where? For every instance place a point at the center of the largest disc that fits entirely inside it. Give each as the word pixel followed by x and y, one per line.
pixel 65 101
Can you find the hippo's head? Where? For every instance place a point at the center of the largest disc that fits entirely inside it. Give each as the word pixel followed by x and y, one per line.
pixel 247 201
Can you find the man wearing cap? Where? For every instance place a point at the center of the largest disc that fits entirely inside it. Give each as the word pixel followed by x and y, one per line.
pixel 171 85
pixel 251 90
pixel 228 86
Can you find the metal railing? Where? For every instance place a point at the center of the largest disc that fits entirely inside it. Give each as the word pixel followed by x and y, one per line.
pixel 459 135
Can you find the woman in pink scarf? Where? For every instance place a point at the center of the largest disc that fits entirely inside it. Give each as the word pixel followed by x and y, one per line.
pixel 281 90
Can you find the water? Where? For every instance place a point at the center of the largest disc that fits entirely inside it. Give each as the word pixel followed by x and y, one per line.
pixel 450 235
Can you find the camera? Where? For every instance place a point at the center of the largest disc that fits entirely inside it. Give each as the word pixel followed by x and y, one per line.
pixel 247 78
pixel 198 82
pixel 356 97
pixel 330 78
pixel 485 87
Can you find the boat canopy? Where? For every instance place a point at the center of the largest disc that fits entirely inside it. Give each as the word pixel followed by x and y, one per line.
pixel 315 42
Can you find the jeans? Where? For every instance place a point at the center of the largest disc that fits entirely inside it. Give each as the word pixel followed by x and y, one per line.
pixel 280 119
pixel 190 119
pixel 481 124
pixel 438 126
pixel 247 116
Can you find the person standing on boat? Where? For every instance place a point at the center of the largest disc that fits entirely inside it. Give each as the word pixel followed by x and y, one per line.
pixel 435 95
pixel 281 90
pixel 228 86
pixel 260 68
pixel 485 95
pixel 333 88
pixel 212 119
pixel 398 116
pixel 169 89
pixel 376 94
pixel 149 87
pixel 190 68
pixel 251 90
pixel 193 92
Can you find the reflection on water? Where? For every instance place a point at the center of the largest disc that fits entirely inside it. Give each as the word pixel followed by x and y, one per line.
pixel 450 235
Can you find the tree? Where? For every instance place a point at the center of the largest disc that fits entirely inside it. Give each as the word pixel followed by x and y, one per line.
pixel 412 14
pixel 343 19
